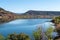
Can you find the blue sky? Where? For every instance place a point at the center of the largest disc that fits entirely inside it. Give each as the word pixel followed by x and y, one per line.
pixel 21 6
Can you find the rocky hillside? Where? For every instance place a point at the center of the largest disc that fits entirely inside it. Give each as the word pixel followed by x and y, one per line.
pixel 6 16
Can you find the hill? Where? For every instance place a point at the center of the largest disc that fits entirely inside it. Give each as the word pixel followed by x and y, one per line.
pixel 6 16
pixel 33 12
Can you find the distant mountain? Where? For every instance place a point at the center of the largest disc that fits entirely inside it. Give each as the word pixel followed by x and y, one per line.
pixel 33 12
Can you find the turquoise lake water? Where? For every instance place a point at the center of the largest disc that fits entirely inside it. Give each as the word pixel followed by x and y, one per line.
pixel 26 26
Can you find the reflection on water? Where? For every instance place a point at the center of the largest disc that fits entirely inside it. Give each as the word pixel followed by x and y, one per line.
pixel 23 25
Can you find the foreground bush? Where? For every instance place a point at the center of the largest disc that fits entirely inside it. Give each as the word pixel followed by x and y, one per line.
pixel 49 32
pixel 39 34
pixel 20 36
pixel 2 37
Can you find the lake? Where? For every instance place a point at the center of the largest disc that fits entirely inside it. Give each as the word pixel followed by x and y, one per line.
pixel 24 25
